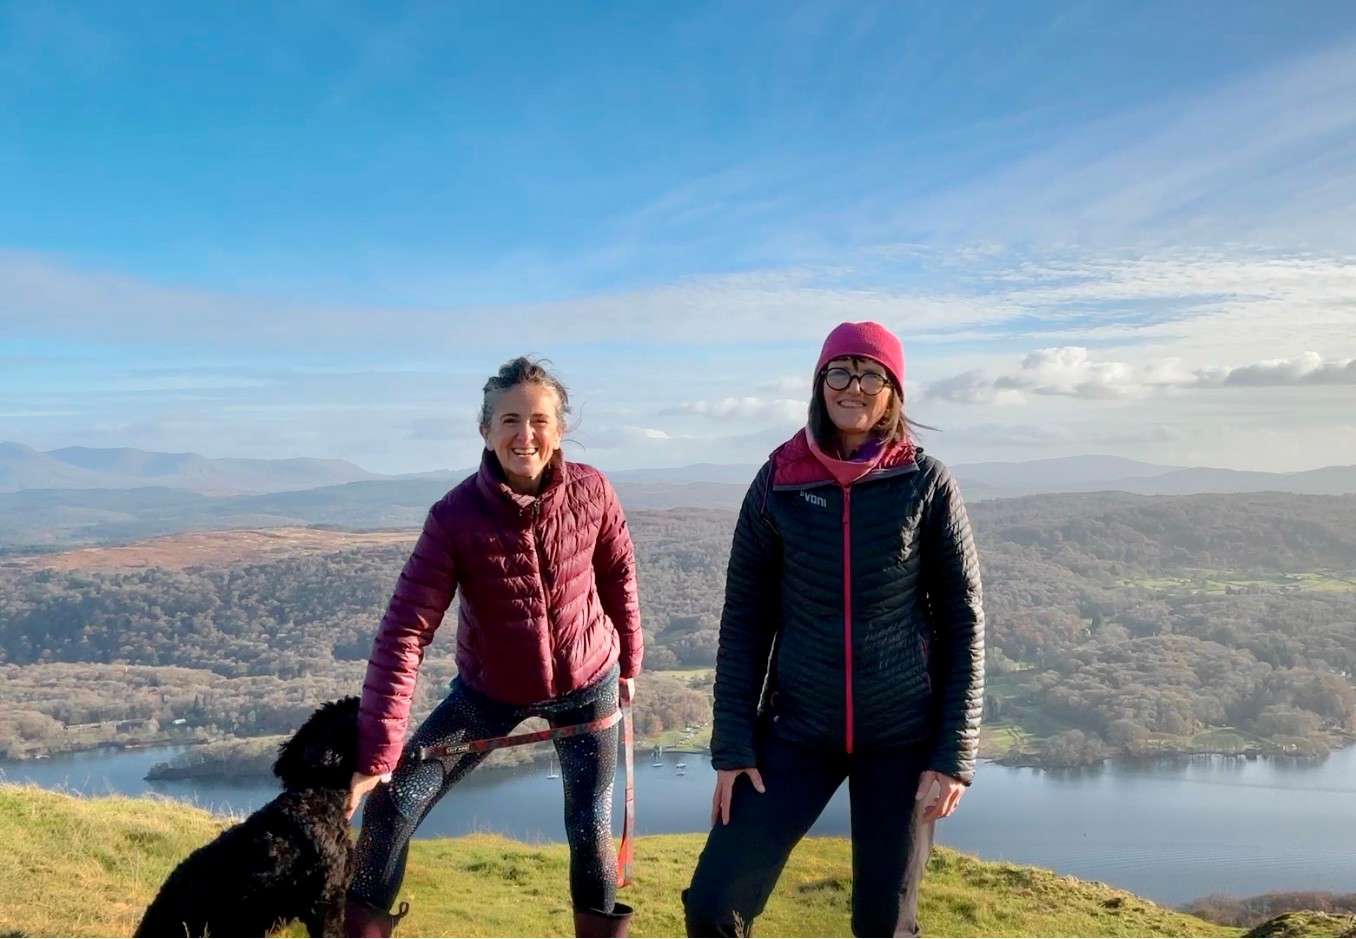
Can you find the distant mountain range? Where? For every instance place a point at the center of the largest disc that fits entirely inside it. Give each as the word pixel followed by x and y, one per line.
pixel 87 495
pixel 1109 473
pixel 1062 474
pixel 23 467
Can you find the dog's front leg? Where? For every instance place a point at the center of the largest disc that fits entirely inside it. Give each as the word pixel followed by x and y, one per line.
pixel 327 919
pixel 317 923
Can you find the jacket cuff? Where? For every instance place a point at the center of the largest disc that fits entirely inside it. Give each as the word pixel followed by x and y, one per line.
pixel 739 758
pixel 630 667
pixel 948 765
pixel 377 763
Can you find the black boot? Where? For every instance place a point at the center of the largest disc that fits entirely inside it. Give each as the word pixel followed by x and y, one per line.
pixel 594 923
pixel 362 920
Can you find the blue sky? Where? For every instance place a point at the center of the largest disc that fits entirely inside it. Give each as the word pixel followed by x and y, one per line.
pixel 1099 227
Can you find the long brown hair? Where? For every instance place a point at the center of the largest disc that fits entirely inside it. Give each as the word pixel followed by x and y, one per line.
pixel 893 427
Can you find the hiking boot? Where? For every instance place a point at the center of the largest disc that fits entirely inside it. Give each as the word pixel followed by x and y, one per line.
pixel 362 920
pixel 595 923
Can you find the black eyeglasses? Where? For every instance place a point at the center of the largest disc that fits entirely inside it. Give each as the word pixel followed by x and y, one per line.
pixel 840 379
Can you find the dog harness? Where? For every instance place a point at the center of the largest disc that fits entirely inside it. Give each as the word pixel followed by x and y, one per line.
pixel 626 851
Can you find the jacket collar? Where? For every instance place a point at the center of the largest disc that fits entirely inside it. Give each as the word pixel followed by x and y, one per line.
pixel 493 484
pixel 795 464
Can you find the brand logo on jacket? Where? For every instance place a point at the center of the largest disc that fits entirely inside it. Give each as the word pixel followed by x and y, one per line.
pixel 818 501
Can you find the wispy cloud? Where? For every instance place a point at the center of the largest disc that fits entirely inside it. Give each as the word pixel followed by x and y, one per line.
pixel 1269 156
pixel 786 387
pixel 49 298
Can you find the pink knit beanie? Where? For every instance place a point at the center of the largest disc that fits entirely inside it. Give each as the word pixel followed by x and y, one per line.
pixel 869 340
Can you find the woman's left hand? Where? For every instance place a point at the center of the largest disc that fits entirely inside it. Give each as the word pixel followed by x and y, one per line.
pixel 948 794
pixel 628 686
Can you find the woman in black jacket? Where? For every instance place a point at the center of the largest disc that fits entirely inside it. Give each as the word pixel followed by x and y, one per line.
pixel 851 646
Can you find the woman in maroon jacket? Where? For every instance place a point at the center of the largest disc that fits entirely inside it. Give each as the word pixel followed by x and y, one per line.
pixel 539 552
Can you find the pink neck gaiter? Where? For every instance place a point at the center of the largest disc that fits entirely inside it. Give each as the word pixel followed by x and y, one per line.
pixel 847 472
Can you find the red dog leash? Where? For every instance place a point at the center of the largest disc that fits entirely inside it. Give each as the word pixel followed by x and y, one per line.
pixel 626 852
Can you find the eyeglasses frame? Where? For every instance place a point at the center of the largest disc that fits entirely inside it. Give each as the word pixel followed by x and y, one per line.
pixel 857 377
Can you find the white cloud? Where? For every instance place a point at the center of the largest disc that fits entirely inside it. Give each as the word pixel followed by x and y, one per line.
pixel 650 433
pixel 1072 372
pixel 1306 369
pixel 972 387
pixel 747 408
pixel 1110 326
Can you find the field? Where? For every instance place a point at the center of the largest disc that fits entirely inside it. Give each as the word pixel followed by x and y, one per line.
pixel 211 549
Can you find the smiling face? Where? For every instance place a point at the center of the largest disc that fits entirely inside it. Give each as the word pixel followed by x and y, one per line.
pixel 524 431
pixel 853 412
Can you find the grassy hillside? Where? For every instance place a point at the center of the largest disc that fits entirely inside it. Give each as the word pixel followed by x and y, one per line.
pixel 1307 924
pixel 87 867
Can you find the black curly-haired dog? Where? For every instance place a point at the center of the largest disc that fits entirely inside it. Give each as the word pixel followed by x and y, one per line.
pixel 291 859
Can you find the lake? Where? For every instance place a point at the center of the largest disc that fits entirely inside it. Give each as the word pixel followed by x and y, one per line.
pixel 1171 831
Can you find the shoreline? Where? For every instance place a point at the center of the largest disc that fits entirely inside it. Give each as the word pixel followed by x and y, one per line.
pixel 1126 758
pixel 642 746
pixel 1338 741
pixel 119 745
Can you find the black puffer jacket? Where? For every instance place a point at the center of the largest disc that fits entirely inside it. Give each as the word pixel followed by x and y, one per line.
pixel 895 659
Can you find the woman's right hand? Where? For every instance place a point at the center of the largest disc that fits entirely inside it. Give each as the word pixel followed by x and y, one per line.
pixel 359 786
pixel 725 780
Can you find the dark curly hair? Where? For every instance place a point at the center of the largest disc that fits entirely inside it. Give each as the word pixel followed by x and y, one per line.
pixel 522 371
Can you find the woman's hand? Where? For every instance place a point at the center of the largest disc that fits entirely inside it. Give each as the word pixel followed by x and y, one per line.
pixel 725 780
pixel 948 791
pixel 359 786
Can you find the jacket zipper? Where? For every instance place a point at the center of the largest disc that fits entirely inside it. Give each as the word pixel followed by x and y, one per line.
pixel 847 615
pixel 545 597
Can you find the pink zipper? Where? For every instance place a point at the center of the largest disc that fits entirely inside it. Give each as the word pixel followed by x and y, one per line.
pixel 847 613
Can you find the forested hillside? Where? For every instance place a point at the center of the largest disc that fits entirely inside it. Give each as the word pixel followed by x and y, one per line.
pixel 1116 622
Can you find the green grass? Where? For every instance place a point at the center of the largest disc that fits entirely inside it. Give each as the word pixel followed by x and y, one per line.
pixel 1307 923
pixel 1226 739
pixel 678 739
pixel 1217 581
pixel 688 674
pixel 87 867
pixel 997 740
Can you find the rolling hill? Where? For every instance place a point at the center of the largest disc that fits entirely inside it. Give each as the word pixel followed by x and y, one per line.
pixel 87 867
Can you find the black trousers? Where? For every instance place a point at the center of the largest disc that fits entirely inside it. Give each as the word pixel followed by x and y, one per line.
pixel 587 765
pixel 890 844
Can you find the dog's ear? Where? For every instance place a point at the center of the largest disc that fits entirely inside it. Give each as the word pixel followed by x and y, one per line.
pixel 323 751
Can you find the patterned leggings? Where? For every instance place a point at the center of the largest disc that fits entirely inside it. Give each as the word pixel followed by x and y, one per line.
pixel 587 765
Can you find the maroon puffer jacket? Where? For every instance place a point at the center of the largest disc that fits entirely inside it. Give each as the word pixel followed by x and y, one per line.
pixel 548 598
